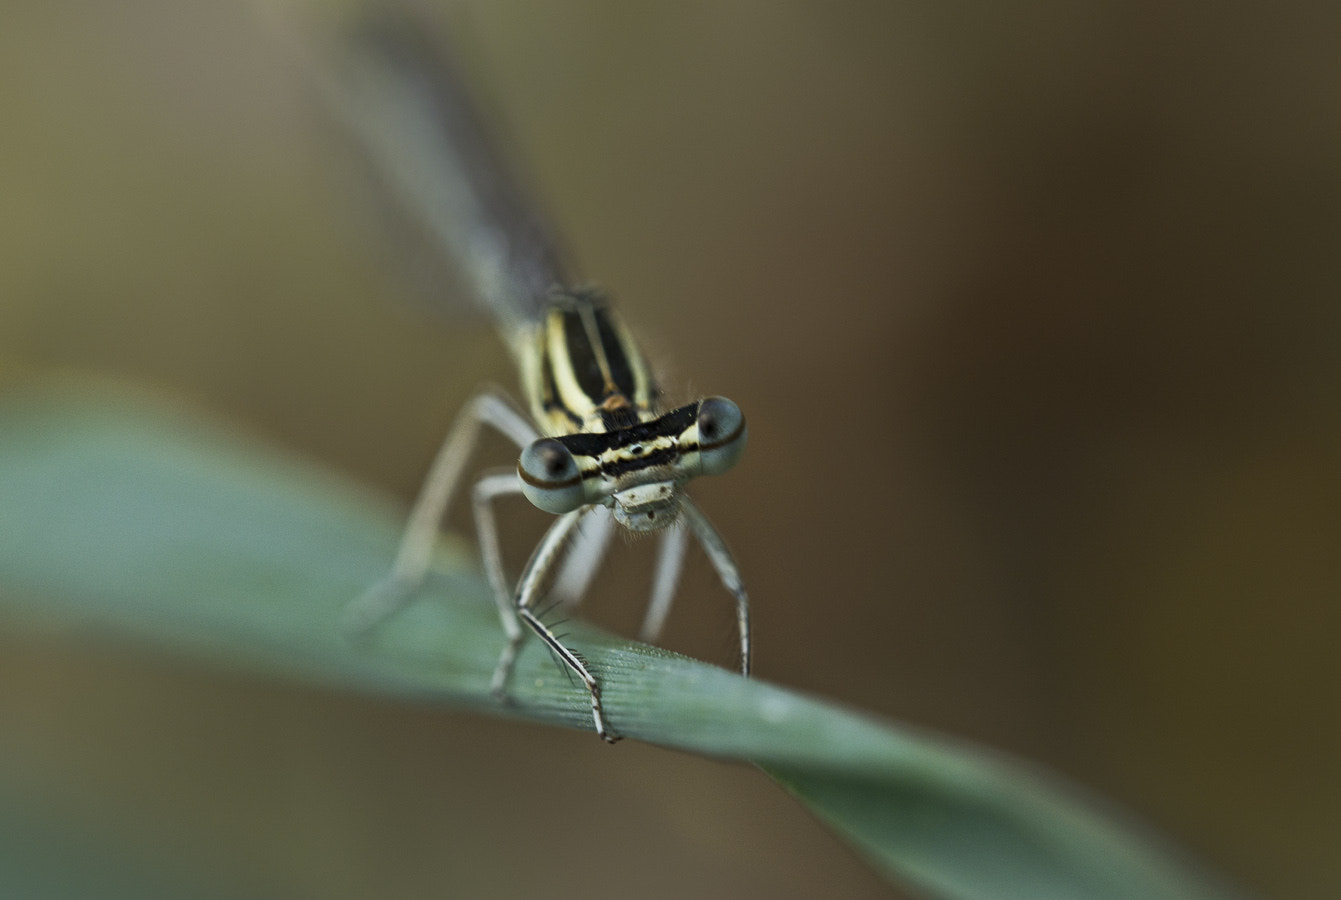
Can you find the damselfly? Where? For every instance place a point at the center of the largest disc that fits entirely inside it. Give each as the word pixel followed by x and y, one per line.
pixel 596 449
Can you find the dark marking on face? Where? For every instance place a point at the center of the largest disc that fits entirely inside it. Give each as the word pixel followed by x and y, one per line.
pixel 671 424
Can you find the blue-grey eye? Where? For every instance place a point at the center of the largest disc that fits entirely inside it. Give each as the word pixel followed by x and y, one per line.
pixel 721 435
pixel 550 477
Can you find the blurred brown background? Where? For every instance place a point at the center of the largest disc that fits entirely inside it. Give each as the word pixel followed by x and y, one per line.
pixel 1033 313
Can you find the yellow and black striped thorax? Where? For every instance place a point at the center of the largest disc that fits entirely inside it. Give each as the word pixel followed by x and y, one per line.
pixel 585 374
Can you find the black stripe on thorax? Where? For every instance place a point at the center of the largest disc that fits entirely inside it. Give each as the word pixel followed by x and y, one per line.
pixel 550 399
pixel 587 358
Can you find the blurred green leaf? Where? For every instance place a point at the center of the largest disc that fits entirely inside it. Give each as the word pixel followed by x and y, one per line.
pixel 148 524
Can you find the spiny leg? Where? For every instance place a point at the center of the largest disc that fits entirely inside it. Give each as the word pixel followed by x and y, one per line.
pixel 421 530
pixel 574 662
pixel 528 591
pixel 670 559
pixel 727 571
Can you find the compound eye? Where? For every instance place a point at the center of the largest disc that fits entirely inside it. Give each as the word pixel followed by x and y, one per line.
pixel 721 435
pixel 550 477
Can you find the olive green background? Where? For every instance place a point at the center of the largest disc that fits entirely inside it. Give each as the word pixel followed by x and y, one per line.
pixel 1033 313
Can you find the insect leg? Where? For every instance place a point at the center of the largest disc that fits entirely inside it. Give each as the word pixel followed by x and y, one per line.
pixel 528 591
pixel 727 571
pixel 421 530
pixel 670 559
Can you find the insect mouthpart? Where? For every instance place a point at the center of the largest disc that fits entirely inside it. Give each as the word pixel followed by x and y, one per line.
pixel 647 507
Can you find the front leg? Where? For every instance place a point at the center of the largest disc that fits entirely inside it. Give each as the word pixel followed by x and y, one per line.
pixel 670 560
pixel 727 571
pixel 528 591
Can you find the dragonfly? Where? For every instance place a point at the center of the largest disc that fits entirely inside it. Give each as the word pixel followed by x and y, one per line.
pixel 596 448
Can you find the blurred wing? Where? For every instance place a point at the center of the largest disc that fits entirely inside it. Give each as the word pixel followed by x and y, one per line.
pixel 402 99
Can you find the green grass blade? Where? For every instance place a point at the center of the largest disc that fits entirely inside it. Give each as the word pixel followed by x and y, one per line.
pixel 127 519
